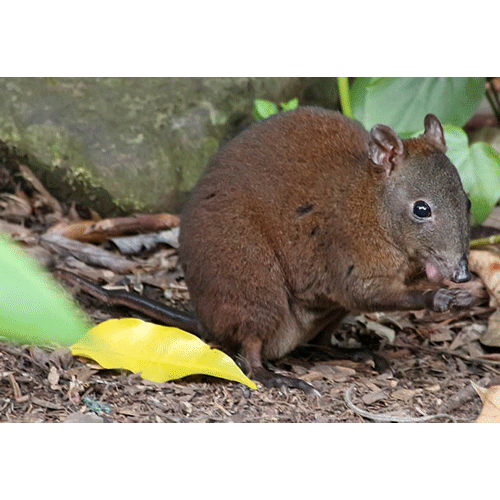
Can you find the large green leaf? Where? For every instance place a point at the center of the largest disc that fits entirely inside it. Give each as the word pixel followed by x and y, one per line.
pixel 479 168
pixel 402 103
pixel 33 309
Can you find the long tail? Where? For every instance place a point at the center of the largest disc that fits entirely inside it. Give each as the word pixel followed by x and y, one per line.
pixel 169 316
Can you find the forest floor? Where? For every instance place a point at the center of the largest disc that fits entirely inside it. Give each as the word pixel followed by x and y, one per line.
pixel 431 369
pixel 426 377
pixel 432 360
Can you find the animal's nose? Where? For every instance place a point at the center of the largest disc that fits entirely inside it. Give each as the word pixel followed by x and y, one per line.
pixel 461 273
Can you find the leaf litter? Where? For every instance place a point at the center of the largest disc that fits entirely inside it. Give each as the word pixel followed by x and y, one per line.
pixel 432 357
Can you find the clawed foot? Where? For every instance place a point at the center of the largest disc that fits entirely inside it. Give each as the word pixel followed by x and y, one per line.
pixel 444 299
pixel 282 382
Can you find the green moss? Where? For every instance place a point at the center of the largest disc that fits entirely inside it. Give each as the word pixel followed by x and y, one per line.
pixel 56 147
pixel 8 131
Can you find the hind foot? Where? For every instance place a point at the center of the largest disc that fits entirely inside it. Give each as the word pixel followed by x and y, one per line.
pixel 282 382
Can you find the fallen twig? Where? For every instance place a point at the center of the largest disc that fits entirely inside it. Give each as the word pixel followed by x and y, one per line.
pixel 87 253
pixel 102 230
pixel 380 417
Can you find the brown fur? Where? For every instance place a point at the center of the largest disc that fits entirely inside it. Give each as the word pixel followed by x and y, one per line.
pixel 288 229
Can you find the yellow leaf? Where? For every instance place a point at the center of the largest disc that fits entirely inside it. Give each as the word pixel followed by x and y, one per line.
pixel 160 353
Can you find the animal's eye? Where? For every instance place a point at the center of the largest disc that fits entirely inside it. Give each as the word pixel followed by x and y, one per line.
pixel 469 204
pixel 421 210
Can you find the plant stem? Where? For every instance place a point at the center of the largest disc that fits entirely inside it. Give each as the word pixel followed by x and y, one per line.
pixel 490 240
pixel 492 96
pixel 345 101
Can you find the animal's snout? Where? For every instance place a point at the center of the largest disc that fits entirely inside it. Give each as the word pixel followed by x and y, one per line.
pixel 461 273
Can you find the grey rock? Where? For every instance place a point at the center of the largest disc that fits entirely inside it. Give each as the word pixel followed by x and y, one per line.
pixel 142 141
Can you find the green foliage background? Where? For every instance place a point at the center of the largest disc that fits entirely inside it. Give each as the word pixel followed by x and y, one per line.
pixel 402 103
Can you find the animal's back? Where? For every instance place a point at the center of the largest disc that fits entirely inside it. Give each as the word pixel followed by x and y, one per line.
pixel 290 151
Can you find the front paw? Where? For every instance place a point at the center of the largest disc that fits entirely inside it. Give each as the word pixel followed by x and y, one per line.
pixel 444 299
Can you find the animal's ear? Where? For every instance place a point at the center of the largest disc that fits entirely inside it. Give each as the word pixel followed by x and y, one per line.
pixel 434 132
pixel 385 148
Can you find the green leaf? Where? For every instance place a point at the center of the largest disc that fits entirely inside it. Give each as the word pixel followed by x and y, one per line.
pixel 33 309
pixel 291 104
pixel 479 169
pixel 263 109
pixel 402 103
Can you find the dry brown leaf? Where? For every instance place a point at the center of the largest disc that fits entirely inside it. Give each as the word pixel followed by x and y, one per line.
pixel 44 198
pixel 130 245
pixel 15 231
pixel 53 377
pixel 76 230
pixel 486 264
pixel 15 206
pixel 492 334
pixel 491 404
